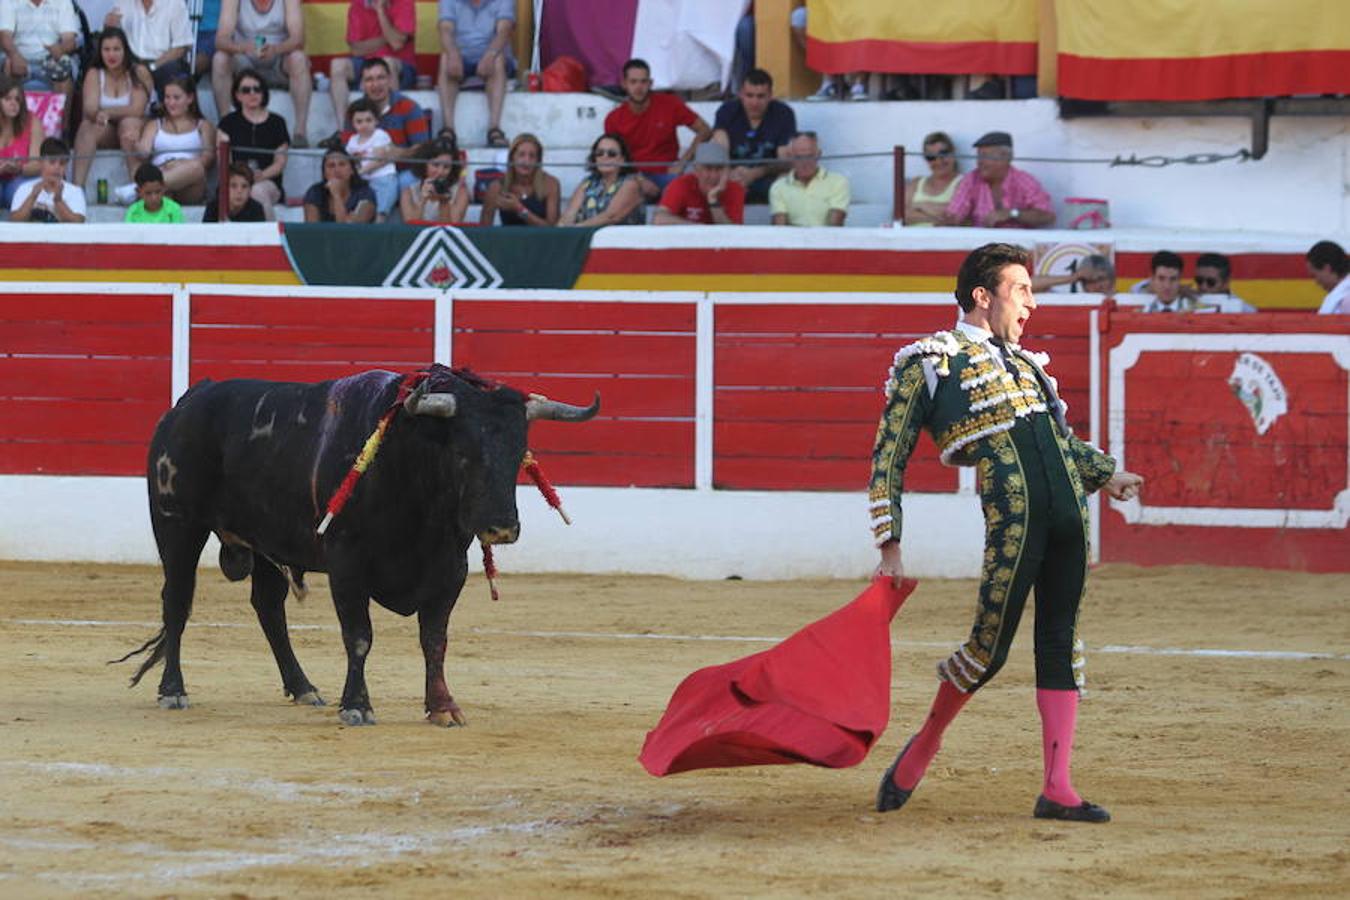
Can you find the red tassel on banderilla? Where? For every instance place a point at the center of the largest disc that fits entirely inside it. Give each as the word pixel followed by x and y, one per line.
pixel 532 469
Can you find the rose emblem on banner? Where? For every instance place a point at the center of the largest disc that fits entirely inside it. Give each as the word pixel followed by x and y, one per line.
pixel 1255 383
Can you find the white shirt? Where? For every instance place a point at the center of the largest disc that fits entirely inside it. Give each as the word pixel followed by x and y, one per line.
pixel 72 194
pixel 1337 299
pixel 37 27
pixel 154 33
pixel 363 150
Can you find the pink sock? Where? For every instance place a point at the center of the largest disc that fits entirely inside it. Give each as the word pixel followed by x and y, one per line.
pixel 925 744
pixel 1059 717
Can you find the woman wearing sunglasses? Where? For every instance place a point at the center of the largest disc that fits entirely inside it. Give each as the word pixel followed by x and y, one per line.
pixel 258 138
pixel 927 196
pixel 609 195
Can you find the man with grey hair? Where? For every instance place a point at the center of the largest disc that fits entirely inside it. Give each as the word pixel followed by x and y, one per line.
pixel 1093 274
pixel 808 194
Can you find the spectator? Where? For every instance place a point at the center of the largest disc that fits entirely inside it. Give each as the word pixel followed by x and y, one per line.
pixel 441 193
pixel 706 196
pixel 342 196
pixel 755 127
pixel 181 143
pixel 1164 283
pixel 239 187
pixel 1212 273
pixel 831 88
pixel 999 195
pixel 610 193
pixel 160 34
pixel 928 196
pixel 399 115
pixel 376 29
pixel 258 138
pixel 114 105
pixel 808 195
pixel 476 40
pixel 647 122
pixel 49 198
pixel 152 207
pixel 367 147
pixel 207 26
pixel 21 138
pixel 37 41
pixel 1329 267
pixel 1094 274
pixel 267 38
pixel 527 195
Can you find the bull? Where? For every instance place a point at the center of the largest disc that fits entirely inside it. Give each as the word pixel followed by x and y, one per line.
pixel 255 462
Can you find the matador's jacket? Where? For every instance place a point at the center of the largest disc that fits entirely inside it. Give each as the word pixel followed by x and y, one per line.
pixel 996 409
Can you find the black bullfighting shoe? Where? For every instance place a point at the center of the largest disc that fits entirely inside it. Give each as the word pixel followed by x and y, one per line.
pixel 889 795
pixel 1083 812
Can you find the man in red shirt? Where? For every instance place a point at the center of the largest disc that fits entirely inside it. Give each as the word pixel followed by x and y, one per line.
pixel 647 123
pixel 376 28
pixel 706 196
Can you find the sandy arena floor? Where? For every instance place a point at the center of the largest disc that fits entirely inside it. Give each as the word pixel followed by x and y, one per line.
pixel 1225 773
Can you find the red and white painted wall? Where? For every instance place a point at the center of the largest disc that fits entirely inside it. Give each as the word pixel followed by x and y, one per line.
pixel 736 429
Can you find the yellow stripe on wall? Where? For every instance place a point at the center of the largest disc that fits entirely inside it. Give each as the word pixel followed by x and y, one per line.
pixel 1184 29
pixel 923 20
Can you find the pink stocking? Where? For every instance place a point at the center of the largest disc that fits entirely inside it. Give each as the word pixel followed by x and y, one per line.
pixel 924 745
pixel 1059 716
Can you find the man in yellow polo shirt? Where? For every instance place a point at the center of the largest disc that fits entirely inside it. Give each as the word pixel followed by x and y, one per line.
pixel 808 195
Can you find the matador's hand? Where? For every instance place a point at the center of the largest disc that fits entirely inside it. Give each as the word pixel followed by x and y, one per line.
pixel 1124 485
pixel 890 563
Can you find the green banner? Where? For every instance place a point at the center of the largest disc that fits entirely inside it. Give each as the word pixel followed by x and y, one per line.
pixel 441 256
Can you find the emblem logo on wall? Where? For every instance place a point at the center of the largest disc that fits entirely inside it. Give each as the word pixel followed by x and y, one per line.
pixel 1255 383
pixel 443 258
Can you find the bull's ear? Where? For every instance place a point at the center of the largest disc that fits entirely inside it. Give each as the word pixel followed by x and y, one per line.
pixel 421 403
pixel 540 407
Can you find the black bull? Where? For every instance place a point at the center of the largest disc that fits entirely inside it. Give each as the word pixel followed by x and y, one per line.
pixel 257 461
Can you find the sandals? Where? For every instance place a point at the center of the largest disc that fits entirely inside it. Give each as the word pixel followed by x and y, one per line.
pixel 497 138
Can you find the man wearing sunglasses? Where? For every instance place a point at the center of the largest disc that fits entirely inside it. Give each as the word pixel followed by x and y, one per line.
pixel 1212 272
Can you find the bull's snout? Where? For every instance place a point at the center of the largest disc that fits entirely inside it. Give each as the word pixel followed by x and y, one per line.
pixel 497 534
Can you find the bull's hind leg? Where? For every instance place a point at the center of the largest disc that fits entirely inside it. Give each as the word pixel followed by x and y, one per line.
pixel 179 549
pixel 269 602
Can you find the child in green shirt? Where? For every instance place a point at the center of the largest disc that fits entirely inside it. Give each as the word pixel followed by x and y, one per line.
pixel 153 207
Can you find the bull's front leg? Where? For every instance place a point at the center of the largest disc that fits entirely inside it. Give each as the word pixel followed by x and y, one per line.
pixel 353 611
pixel 433 620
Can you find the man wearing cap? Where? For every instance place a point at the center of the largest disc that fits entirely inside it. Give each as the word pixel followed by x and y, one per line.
pixel 808 195
pixel 1000 195
pixel 705 196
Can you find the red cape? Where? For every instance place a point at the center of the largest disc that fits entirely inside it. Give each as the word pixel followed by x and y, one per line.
pixel 822 696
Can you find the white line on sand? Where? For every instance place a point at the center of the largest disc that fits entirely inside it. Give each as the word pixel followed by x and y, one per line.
pixel 1129 649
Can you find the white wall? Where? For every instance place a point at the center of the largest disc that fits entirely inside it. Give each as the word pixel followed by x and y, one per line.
pixel 682 533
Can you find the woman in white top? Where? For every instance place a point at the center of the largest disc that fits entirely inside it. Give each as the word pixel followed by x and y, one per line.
pixel 182 143
pixel 927 197
pixel 114 105
pixel 441 194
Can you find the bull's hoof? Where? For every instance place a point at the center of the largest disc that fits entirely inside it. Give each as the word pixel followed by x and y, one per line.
pixel 173 701
pixel 357 717
pixel 309 698
pixel 447 718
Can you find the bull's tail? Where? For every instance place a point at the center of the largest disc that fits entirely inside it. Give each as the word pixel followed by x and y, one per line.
pixel 156 647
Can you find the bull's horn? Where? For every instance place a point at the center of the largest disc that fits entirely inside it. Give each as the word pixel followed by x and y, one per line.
pixel 538 407
pixel 420 403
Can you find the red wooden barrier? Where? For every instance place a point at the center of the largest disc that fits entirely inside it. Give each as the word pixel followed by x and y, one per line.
pixel 640 356
pixel 83 379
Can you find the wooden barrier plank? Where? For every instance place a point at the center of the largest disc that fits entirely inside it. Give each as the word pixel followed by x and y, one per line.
pixel 617 470
pixel 798 404
pixel 147 309
pixel 619 396
pixel 69 339
pixel 339 312
pixel 575 353
pixel 896 323
pixel 81 420
pixel 84 379
pixel 548 315
pixel 68 457
pixel 819 440
pixel 282 370
pixel 598 436
pixel 743 473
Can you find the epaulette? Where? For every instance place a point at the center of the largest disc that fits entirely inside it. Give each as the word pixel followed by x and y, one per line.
pixel 936 349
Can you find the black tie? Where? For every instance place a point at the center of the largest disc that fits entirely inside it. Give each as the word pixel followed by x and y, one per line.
pixel 1006 354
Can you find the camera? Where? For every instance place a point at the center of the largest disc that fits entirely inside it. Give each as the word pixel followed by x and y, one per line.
pixel 441 186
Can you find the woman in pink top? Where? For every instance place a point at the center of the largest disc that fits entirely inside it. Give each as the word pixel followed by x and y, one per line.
pixel 20 137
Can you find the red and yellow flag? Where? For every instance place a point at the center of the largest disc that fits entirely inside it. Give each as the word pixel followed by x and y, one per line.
pixel 958 37
pixel 1202 49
